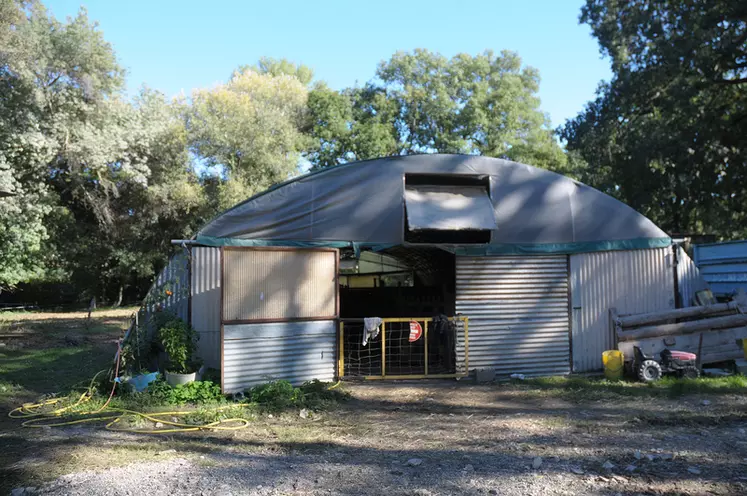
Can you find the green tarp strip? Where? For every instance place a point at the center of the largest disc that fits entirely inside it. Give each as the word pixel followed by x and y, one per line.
pixel 213 241
pixel 569 248
pixel 476 250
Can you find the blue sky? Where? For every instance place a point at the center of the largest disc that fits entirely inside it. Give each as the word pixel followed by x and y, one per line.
pixel 176 46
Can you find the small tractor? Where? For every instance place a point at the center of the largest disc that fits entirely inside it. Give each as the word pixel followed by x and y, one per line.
pixel 681 363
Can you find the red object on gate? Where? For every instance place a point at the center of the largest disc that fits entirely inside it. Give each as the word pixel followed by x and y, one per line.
pixel 416 330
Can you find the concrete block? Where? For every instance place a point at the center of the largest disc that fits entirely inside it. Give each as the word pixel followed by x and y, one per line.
pixel 485 375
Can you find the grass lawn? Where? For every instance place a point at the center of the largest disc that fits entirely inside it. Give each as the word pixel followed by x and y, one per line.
pixel 43 354
pixel 47 353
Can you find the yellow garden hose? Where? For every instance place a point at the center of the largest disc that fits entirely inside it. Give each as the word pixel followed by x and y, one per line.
pixel 36 415
pixel 40 419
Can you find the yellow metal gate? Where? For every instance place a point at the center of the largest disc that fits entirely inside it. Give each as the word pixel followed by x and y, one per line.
pixel 397 351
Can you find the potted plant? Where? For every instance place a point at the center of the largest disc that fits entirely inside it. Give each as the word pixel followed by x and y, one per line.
pixel 179 341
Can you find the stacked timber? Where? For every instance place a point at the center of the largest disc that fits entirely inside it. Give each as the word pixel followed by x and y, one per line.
pixel 714 332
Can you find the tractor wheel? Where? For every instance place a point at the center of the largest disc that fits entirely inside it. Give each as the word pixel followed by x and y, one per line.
pixel 649 371
pixel 691 372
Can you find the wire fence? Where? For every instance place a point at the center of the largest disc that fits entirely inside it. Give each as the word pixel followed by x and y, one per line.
pixel 402 348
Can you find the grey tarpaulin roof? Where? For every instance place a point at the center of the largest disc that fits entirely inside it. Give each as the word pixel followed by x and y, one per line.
pixel 363 202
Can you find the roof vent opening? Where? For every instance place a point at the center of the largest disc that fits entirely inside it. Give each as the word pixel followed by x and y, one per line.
pixel 448 209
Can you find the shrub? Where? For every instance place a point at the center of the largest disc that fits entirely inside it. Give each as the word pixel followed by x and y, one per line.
pixel 276 395
pixel 198 392
pixel 160 393
pixel 179 340
pixel 281 395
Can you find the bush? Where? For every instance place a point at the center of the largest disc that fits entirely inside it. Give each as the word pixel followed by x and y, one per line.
pixel 276 395
pixel 161 393
pixel 179 340
pixel 281 395
pixel 198 392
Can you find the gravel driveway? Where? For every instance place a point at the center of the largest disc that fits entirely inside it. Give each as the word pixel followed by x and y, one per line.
pixel 446 438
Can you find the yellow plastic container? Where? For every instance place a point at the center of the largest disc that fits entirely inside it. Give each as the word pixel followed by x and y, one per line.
pixel 613 364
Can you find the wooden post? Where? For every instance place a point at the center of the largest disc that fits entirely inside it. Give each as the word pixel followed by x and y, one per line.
pixel 737 320
pixel 383 349
pixel 650 318
pixel 616 326
pixel 341 357
pixel 425 332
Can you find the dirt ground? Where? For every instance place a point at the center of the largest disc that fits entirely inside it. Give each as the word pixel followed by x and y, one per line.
pixel 424 439
pixel 398 438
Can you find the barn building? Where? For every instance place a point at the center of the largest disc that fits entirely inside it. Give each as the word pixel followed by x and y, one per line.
pixel 527 263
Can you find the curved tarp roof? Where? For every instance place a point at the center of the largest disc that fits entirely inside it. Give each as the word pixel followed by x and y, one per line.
pixel 362 203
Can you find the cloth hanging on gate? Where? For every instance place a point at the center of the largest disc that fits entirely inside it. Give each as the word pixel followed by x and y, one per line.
pixel 371 328
pixel 445 329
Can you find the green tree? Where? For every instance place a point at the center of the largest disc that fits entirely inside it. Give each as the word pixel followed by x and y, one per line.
pixel 249 131
pixel 668 133
pixel 102 183
pixel 52 78
pixel 423 102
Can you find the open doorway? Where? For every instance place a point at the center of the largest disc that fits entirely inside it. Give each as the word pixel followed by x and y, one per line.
pixel 412 290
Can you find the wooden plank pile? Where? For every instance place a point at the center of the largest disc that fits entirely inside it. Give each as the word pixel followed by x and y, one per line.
pixel 711 331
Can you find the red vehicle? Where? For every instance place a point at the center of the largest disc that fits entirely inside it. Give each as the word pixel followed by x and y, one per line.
pixel 681 363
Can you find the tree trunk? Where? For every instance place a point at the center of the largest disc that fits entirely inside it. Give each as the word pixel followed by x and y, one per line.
pixel 119 297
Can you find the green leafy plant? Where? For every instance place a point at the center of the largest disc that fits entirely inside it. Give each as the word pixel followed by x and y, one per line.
pixel 198 392
pixel 275 395
pixel 179 340
pixel 281 395
pixel 160 393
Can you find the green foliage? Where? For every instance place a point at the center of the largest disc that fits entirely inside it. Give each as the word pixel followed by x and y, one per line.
pixel 179 340
pixel 160 393
pixel 101 183
pixel 249 131
pixel 281 395
pixel 199 392
pixel 422 102
pixel 276 395
pixel 668 133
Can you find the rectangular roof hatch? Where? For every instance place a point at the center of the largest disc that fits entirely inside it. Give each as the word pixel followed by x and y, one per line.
pixel 449 208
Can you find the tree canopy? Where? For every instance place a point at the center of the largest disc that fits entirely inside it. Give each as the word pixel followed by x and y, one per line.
pixel 423 102
pixel 668 133
pixel 102 181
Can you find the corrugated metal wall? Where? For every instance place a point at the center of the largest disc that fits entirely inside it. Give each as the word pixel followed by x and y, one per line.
pixel 518 312
pixel 174 279
pixel 723 266
pixel 635 281
pixel 279 284
pixel 689 279
pixel 206 303
pixel 294 351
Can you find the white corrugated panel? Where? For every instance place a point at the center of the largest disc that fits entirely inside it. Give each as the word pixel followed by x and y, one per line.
pixel 518 313
pixel 294 351
pixel 634 281
pixel 689 279
pixel 206 303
